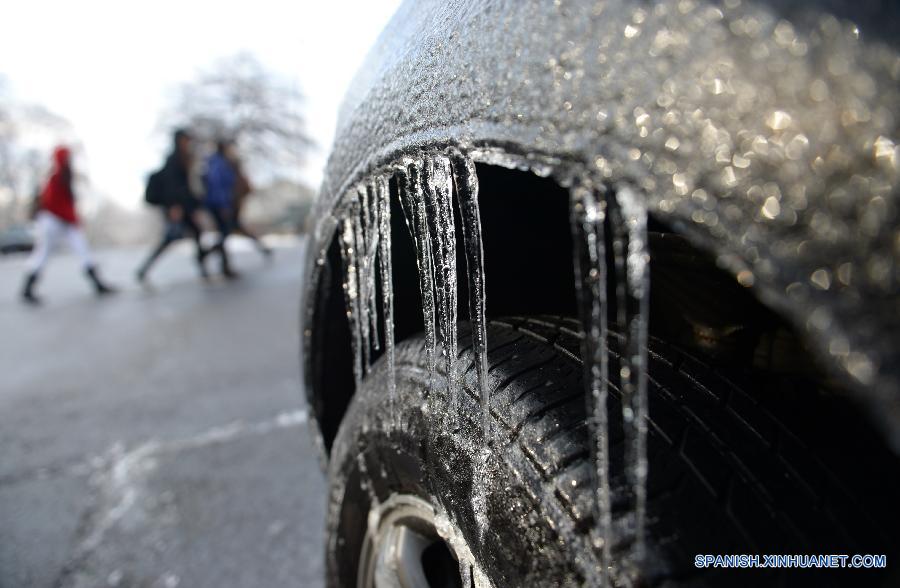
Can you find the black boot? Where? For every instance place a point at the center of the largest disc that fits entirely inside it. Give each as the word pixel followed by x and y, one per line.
pixel 227 272
pixel 99 286
pixel 28 294
pixel 202 254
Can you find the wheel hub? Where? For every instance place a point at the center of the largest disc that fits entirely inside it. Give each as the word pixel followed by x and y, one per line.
pixel 409 545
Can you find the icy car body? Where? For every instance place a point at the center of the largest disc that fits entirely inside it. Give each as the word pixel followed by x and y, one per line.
pixel 764 134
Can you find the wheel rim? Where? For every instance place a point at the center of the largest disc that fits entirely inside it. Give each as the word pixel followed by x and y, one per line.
pixel 408 546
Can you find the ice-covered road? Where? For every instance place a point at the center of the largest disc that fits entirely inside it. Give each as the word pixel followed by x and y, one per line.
pixel 157 438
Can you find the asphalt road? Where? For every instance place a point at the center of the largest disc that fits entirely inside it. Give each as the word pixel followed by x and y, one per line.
pixel 157 438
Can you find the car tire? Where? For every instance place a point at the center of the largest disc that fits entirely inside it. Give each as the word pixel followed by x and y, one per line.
pixel 726 475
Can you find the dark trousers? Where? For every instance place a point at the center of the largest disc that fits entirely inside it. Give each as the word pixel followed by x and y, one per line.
pixel 174 231
pixel 224 222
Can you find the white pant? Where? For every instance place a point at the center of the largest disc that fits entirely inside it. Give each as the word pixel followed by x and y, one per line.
pixel 50 229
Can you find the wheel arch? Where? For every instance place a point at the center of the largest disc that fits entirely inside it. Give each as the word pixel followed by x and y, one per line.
pixel 490 79
pixel 695 302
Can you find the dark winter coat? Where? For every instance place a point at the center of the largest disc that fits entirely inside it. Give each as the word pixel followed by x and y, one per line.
pixel 176 184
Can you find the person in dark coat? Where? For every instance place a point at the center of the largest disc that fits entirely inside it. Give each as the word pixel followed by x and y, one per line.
pixel 56 219
pixel 179 204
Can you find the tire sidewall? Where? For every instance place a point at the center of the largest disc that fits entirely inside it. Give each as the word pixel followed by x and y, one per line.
pixel 413 449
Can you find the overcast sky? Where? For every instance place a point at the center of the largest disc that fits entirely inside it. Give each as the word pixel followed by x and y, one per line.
pixel 108 66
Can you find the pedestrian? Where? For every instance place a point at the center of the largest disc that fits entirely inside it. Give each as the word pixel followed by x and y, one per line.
pixel 170 189
pixel 56 219
pixel 219 181
pixel 242 189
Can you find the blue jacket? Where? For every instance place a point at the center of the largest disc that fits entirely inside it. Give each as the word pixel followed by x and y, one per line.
pixel 219 181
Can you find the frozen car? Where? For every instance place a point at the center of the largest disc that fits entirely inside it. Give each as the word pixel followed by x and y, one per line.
pixel 16 239
pixel 599 289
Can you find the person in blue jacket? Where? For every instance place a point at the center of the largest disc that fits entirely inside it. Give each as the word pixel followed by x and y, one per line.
pixel 219 181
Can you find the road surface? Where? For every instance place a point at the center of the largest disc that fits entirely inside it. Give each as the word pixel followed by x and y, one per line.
pixel 157 438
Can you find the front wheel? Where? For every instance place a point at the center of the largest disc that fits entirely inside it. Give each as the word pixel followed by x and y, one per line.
pixel 417 498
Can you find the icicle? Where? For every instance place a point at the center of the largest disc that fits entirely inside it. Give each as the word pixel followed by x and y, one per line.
pixel 627 225
pixel 415 202
pixel 467 196
pixel 347 237
pixel 404 195
pixel 441 224
pixel 628 220
pixel 588 216
pixel 382 194
pixel 465 574
pixel 360 233
pixel 371 230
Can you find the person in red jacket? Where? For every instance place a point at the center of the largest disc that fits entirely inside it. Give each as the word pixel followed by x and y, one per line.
pixel 57 219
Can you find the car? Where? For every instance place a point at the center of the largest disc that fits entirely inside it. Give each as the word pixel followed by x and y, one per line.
pixel 598 292
pixel 16 239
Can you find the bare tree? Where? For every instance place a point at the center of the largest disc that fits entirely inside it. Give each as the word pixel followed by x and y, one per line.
pixel 238 98
pixel 25 130
pixel 7 137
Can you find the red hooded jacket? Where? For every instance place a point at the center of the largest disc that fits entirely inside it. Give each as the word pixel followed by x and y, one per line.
pixel 57 197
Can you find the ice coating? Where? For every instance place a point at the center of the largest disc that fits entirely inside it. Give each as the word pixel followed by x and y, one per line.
pixel 766 132
pixel 467 197
pixel 588 211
